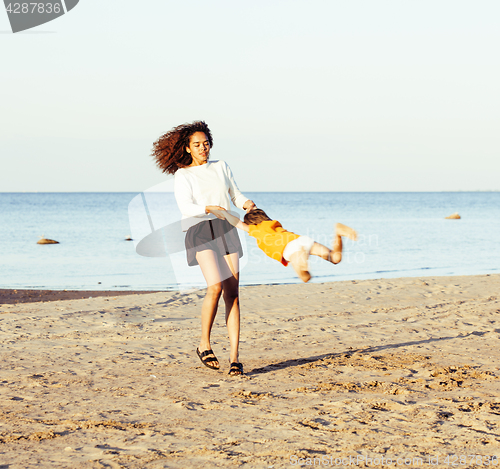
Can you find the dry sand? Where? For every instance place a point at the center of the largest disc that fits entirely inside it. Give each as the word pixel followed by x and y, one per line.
pixel 398 368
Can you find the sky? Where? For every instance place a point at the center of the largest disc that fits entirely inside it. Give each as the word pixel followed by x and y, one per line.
pixel 300 95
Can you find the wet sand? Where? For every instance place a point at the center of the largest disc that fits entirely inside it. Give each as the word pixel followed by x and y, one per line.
pixel 12 297
pixel 393 368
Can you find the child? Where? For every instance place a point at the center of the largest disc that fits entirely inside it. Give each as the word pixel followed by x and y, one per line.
pixel 285 246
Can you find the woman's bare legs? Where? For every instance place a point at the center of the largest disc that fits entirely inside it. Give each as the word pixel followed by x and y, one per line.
pixel 221 277
pixel 230 288
pixel 210 268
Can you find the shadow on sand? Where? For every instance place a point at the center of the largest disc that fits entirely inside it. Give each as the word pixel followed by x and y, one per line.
pixel 364 351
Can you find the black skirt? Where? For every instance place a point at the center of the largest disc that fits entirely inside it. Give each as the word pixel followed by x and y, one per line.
pixel 216 235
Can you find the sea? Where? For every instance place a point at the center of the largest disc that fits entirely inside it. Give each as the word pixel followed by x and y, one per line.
pixel 401 234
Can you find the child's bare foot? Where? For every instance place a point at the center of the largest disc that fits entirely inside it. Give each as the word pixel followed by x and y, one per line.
pixel 348 232
pixel 305 276
pixel 340 231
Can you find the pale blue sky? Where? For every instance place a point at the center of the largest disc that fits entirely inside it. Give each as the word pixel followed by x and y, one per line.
pixel 300 95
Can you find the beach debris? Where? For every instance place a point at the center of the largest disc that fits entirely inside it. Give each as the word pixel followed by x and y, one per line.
pixel 44 240
pixel 128 238
pixel 453 216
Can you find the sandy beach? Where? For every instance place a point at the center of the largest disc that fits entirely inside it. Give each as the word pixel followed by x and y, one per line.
pixel 395 369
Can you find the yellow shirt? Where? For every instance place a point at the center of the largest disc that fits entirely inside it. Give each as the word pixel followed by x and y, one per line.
pixel 272 238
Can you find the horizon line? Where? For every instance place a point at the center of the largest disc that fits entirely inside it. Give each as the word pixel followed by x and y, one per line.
pixel 261 192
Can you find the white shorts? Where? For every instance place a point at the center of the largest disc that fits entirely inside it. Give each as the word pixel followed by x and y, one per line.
pixel 296 245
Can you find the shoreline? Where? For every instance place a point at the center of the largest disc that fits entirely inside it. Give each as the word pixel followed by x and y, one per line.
pixel 22 295
pixel 11 296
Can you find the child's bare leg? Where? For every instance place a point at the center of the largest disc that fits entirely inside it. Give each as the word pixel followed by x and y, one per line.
pixel 299 263
pixel 347 231
pixel 340 231
pixel 337 249
pixel 334 255
pixel 321 251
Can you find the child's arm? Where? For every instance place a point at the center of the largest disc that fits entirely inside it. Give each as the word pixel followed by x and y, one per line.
pixel 235 221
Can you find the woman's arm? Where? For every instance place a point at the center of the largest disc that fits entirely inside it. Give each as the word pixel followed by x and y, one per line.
pixel 238 199
pixel 235 221
pixel 184 197
pixel 249 205
pixel 214 209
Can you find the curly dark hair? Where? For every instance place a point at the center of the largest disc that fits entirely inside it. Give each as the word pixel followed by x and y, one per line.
pixel 169 151
pixel 255 216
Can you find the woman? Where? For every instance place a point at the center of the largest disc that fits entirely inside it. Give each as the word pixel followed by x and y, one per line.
pixel 202 188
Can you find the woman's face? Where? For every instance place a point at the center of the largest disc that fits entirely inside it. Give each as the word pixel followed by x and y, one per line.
pixel 199 148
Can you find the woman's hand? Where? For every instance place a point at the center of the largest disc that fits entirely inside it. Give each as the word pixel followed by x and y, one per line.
pixel 249 205
pixel 214 209
pixel 219 214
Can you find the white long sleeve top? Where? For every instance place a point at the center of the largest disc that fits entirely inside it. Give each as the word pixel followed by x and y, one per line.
pixel 208 184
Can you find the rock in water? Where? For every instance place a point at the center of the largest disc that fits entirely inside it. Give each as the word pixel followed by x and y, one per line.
pixel 454 216
pixel 47 241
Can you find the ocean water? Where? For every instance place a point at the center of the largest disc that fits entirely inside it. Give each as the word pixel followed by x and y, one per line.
pixel 400 235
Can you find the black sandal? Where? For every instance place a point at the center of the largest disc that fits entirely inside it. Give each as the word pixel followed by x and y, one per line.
pixel 236 369
pixel 207 361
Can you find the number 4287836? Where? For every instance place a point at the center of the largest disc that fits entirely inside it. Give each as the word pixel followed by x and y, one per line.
pixel 47 7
